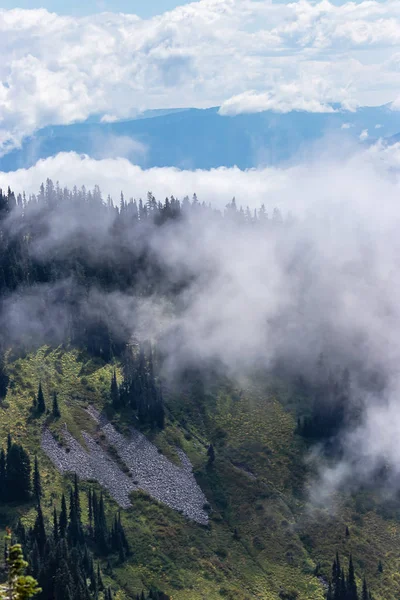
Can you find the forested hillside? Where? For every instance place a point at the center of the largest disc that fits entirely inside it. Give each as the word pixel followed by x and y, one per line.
pixel 174 402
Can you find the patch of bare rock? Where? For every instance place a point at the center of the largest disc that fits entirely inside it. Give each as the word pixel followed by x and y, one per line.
pixel 149 470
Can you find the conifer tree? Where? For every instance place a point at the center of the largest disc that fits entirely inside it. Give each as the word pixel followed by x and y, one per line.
pixel 76 495
pixel 40 403
pixel 21 532
pixel 63 584
pixel 100 527
pixel 34 559
pixel 55 526
pixel 18 473
pixel 39 531
pixel 364 594
pixel 19 586
pixel 74 530
pixel 37 485
pixel 100 584
pixel 336 578
pixel 343 587
pixel 351 582
pixel 63 520
pixel 55 408
pixel 211 455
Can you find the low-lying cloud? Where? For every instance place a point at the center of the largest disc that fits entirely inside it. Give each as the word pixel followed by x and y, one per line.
pixel 323 278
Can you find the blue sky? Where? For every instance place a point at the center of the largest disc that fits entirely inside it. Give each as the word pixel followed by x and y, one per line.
pixel 143 8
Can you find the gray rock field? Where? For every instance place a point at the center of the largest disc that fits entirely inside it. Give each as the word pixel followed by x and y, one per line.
pixel 149 470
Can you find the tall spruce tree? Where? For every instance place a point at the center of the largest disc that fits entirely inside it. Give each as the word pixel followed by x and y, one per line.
pixel 63 520
pixel 55 408
pixel 364 594
pixel 100 525
pixel 351 582
pixel 74 530
pixel 37 484
pixel 343 586
pixel 56 532
pixel 336 578
pixel 39 531
pixel 40 403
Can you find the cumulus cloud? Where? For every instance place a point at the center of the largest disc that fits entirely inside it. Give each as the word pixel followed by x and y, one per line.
pixel 217 185
pixel 282 100
pixel 58 69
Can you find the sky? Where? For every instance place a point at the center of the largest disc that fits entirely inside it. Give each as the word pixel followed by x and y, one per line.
pixel 242 55
pixel 143 9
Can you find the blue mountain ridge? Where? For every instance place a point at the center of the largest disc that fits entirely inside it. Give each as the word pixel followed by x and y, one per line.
pixel 203 139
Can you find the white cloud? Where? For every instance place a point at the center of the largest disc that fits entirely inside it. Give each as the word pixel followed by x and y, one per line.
pixel 113 175
pixel 302 55
pixel 364 135
pixel 272 185
pixel 109 118
pixel 282 99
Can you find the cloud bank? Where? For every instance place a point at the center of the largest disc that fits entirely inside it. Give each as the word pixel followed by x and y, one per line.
pixel 302 55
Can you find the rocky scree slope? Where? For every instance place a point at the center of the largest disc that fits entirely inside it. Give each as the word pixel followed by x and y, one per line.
pixel 149 470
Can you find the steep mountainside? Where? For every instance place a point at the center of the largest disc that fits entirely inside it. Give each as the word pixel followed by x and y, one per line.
pixel 262 540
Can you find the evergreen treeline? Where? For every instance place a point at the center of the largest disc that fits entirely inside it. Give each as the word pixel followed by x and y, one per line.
pixel 140 390
pixel 343 586
pixel 113 255
pixel 60 556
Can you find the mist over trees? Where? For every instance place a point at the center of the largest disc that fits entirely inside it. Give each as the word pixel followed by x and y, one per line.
pixel 237 290
pixel 63 250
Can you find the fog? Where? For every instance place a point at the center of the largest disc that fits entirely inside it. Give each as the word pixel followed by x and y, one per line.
pixel 321 280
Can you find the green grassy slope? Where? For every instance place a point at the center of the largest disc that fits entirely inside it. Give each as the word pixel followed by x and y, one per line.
pixel 262 542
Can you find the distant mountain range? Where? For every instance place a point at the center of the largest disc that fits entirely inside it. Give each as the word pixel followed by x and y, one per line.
pixel 203 139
